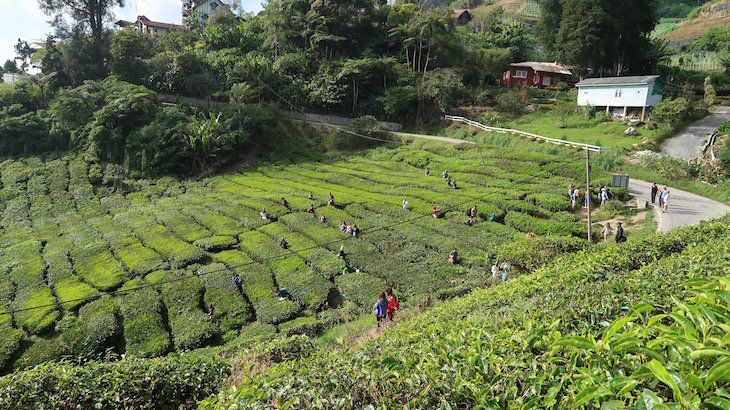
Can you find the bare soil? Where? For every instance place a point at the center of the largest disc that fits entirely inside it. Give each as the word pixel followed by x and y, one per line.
pixel 695 28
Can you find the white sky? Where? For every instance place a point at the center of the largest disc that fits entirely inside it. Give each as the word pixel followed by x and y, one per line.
pixel 24 19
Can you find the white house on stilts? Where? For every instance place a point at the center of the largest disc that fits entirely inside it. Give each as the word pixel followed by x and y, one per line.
pixel 621 96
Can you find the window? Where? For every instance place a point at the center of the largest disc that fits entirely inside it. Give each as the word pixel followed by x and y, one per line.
pixel 546 80
pixel 535 79
pixel 617 94
pixel 213 5
pixel 521 74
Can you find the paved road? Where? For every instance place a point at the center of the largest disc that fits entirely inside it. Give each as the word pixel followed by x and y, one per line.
pixel 688 143
pixel 683 207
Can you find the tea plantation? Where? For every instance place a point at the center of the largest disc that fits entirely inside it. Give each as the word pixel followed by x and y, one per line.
pixel 643 325
pixel 86 271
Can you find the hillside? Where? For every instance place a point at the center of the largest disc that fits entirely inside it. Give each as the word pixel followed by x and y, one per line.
pixel 713 14
pixel 86 270
pixel 632 326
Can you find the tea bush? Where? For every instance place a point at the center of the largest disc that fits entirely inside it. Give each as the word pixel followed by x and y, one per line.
pixel 176 381
pixel 170 247
pixel 612 327
pixel 145 333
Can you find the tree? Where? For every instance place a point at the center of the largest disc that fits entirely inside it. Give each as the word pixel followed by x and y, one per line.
pixel 87 14
pixel 10 66
pixel 710 93
pixel 23 53
pixel 355 68
pixel 586 35
pixel 129 49
pixel 564 109
pixel 88 18
pixel 551 13
pixel 602 36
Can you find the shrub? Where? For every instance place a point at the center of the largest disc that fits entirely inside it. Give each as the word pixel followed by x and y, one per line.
pixel 232 311
pixel 361 288
pixel 95 329
pixel 216 243
pixel 10 342
pixel 308 326
pixel 71 292
pixel 190 326
pixel 144 329
pixel 170 382
pixel 274 311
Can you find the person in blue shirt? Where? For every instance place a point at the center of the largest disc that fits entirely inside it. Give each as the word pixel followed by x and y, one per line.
pixel 380 308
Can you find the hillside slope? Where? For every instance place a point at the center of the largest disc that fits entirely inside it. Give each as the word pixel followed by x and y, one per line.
pixel 617 326
pixel 712 15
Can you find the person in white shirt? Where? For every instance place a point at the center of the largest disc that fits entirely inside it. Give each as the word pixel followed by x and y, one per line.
pixel 405 204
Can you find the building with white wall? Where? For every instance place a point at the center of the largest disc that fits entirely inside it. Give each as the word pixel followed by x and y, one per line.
pixel 203 9
pixel 11 78
pixel 619 95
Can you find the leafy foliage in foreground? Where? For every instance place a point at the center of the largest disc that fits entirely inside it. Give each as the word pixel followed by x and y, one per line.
pixel 620 327
pixel 170 382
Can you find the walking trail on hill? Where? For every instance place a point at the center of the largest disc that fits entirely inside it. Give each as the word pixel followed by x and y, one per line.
pixel 683 209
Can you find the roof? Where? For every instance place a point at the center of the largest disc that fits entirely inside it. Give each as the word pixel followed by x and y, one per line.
pixel 629 80
pixel 545 67
pixel 458 13
pixel 150 23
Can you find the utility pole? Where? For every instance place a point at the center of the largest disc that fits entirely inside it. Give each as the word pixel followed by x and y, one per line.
pixel 588 191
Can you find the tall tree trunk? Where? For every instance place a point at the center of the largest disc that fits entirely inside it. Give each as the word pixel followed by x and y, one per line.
pixel 428 56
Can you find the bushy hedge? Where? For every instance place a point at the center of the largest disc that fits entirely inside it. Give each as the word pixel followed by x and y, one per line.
pixel 306 325
pixel 144 328
pixel 10 342
pixel 624 315
pixel 538 226
pixel 232 311
pixel 361 288
pixel 190 326
pixel 95 328
pixel 176 381
pixel 273 310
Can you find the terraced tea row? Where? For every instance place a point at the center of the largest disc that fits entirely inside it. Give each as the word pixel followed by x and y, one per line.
pixel 640 325
pixel 168 250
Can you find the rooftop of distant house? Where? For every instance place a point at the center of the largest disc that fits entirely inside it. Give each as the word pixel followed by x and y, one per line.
pixel 628 80
pixel 544 67
pixel 150 23
pixel 459 12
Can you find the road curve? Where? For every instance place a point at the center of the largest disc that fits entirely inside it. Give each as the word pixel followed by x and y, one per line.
pixel 688 143
pixel 683 208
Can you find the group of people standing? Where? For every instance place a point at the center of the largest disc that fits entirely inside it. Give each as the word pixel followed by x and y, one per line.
pixel 663 196
pixel 386 306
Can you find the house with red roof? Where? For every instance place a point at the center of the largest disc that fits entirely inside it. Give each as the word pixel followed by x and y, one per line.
pixel 147 26
pixel 536 74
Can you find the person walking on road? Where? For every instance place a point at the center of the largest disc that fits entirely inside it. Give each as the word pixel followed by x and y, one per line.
pixel 654 190
pixel 661 197
pixel 665 201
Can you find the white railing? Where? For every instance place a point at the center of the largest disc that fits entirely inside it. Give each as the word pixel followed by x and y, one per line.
pixel 594 148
